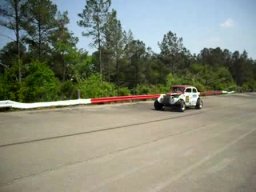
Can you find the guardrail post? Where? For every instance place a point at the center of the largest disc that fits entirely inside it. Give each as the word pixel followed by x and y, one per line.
pixel 78 93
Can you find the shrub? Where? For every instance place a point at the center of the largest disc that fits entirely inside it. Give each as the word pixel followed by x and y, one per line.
pixel 40 84
pixel 9 85
pixel 142 89
pixel 123 91
pixel 68 90
pixel 150 89
pixel 94 87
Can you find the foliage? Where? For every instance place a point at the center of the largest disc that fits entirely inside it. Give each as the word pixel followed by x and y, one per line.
pixel 123 91
pixel 12 17
pixel 249 86
pixel 93 18
pixel 82 67
pixel 136 66
pixel 65 53
pixel 150 89
pixel 173 53
pixel 40 84
pixel 204 78
pixel 9 85
pixel 40 24
pixel 114 47
pixel 42 62
pixel 94 86
pixel 173 79
pixel 68 90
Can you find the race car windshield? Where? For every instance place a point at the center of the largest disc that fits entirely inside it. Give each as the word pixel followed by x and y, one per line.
pixel 178 89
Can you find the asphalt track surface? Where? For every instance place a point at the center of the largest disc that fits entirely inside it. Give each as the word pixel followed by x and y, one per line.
pixel 131 147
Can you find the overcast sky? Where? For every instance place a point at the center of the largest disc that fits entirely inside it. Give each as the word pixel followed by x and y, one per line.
pixel 227 24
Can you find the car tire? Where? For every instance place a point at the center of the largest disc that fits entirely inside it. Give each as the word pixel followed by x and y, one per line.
pixel 182 106
pixel 199 104
pixel 158 106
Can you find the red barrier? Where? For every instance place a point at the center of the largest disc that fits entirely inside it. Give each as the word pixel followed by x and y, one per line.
pixel 12 104
pixel 123 98
pixel 209 93
pixel 140 97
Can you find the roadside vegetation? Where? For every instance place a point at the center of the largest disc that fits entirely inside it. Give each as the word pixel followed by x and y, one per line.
pixel 42 62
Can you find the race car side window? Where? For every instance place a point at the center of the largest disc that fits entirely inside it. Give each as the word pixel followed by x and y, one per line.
pixel 188 90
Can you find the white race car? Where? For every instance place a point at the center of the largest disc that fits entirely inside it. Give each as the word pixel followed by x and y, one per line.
pixel 180 96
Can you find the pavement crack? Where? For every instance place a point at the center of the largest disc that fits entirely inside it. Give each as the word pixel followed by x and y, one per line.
pixel 96 131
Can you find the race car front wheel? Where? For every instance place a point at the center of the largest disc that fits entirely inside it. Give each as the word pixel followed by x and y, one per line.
pixel 182 106
pixel 158 106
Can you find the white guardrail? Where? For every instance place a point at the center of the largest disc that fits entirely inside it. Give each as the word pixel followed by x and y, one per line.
pixel 17 105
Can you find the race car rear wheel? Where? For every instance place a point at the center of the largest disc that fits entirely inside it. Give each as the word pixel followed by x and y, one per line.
pixel 182 106
pixel 158 106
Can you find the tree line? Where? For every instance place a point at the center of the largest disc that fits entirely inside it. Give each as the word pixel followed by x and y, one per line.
pixel 42 62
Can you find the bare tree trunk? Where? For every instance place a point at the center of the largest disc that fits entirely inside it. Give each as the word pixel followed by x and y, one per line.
pixel 39 40
pixel 39 35
pixel 17 30
pixel 117 73
pixel 99 49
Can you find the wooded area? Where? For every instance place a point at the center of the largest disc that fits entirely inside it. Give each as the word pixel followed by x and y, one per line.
pixel 43 63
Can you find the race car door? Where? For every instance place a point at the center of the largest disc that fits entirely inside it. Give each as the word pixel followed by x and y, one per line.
pixel 195 95
pixel 188 96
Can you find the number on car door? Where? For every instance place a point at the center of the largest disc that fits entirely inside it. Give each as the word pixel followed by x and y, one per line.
pixel 188 97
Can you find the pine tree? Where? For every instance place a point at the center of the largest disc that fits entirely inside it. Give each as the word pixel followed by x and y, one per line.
pixel 93 18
